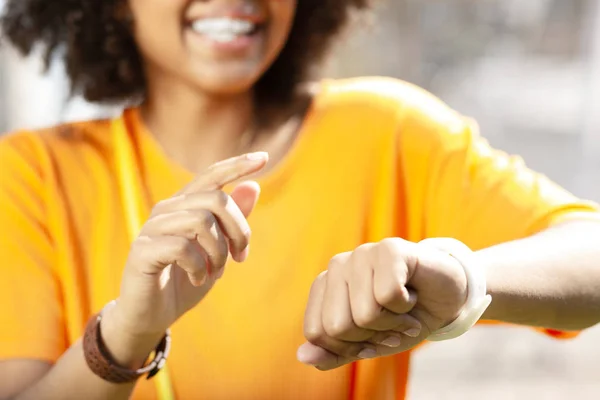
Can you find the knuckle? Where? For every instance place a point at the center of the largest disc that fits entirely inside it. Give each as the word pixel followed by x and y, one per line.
pixel 335 270
pixel 220 199
pixel 338 328
pixel 362 251
pixel 139 249
pixel 164 205
pixel 204 220
pixel 196 223
pixel 181 248
pixel 364 317
pixel 337 262
pixel 140 243
pixel 318 283
pixel 212 169
pixel 389 245
pixel 391 293
pixel 314 334
pixel 396 249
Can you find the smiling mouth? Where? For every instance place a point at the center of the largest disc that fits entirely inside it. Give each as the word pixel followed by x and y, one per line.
pixel 225 29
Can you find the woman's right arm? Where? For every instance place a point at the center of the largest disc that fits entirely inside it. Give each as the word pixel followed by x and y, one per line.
pixel 70 377
pixel 186 240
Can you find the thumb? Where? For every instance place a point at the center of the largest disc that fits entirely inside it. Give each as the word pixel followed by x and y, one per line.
pixel 245 196
pixel 320 358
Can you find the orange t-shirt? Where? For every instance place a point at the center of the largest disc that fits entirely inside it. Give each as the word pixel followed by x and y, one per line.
pixel 376 158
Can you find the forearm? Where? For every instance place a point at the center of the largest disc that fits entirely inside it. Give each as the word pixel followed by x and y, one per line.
pixel 71 378
pixel 551 279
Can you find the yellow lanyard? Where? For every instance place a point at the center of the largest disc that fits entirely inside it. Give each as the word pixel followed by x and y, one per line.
pixel 131 191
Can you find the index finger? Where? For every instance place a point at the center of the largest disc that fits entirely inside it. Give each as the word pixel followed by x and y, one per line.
pixel 227 171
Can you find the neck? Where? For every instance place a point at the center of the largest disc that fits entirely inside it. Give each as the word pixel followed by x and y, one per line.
pixel 197 130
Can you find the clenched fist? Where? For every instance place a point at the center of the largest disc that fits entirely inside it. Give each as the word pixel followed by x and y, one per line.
pixel 381 299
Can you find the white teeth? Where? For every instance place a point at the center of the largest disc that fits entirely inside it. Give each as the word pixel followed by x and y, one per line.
pixel 222 37
pixel 223 29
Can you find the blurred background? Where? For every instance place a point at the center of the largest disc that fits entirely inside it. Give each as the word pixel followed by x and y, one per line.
pixel 528 71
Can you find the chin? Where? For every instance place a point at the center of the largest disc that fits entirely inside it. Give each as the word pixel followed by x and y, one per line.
pixel 226 81
pixel 225 89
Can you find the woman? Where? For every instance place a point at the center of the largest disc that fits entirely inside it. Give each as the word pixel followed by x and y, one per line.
pixel 361 171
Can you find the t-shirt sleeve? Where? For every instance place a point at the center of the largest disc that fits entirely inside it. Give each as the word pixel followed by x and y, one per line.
pixel 484 196
pixel 31 317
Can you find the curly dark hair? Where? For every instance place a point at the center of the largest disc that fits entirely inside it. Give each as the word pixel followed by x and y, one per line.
pixel 103 62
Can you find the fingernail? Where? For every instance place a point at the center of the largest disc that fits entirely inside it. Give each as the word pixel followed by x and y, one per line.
pixel 196 281
pixel 391 341
pixel 258 156
pixel 367 353
pixel 413 332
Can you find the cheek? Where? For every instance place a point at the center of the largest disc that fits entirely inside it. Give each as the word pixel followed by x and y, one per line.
pixel 157 26
pixel 282 17
pixel 140 7
pixel 156 17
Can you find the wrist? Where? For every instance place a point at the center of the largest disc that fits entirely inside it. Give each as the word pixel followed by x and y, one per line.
pixel 127 349
pixel 493 279
pixel 478 298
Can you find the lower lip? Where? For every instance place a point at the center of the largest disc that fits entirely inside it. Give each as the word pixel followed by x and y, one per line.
pixel 238 45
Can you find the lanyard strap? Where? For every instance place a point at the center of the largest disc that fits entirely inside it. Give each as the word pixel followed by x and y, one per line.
pixel 131 190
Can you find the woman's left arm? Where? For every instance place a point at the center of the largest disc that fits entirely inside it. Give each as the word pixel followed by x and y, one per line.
pixel 387 297
pixel 550 279
pixel 538 244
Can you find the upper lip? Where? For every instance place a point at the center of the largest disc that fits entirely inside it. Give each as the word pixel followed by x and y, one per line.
pixel 240 12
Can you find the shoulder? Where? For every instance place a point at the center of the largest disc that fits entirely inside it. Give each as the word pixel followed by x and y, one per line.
pixel 62 143
pixel 80 133
pixel 45 160
pixel 411 113
pixel 385 95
